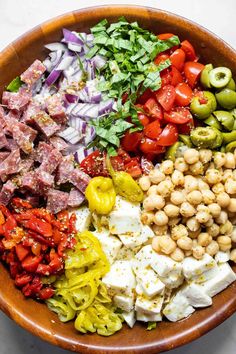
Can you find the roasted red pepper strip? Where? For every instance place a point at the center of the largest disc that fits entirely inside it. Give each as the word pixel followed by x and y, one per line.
pixel 9 226
pixel 19 204
pixel 31 222
pixel 72 224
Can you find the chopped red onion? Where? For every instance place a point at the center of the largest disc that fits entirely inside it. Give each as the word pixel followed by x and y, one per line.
pixel 71 135
pixel 99 61
pixel 53 47
pixel 105 107
pixel 82 153
pixel 70 37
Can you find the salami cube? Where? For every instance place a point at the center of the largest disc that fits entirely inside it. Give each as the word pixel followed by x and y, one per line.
pixel 55 108
pixel 65 169
pixel 44 181
pixel 32 109
pixel 51 162
pixel 33 73
pixel 3 155
pixel 3 140
pixel 16 100
pixel 29 182
pixel 76 198
pixel 7 192
pixel 80 179
pixel 42 152
pixel 22 134
pixel 58 143
pixel 46 124
pixel 10 165
pixel 57 200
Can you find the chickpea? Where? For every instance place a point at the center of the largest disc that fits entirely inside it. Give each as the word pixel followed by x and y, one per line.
pixel 167 167
pixel 160 230
pixel 144 183
pixel 227 174
pixel 233 255
pixel 177 197
pixel 190 183
pixel 219 159
pixel 218 188
pixel 156 176
pixel 171 210
pixel 179 231
pixel 223 199
pixel 202 217
pixel 227 228
pixel 166 244
pixel 185 243
pixel 188 253
pixel 224 243
pixel 194 234
pixel 193 224
pixel 152 190
pixel 202 207
pixel 204 239
pixel 191 156
pixel 161 218
pixel 153 202
pixel 205 155
pixel 214 209
pixel 177 178
pixel 212 248
pixel 213 230
pixel 222 218
pixel 156 243
pixel 187 210
pixel 233 236
pixel 230 186
pixel 232 205
pixel 208 197
pixel 165 188
pixel 181 165
pixel 177 255
pixel 209 222
pixel 213 176
pixel 202 186
pixel 147 217
pixel 195 197
pixel 230 161
pixel 195 243
pixel 196 168
pixel 198 252
pixel 235 153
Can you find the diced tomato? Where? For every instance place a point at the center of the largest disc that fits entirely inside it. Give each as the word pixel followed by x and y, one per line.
pixel 160 58
pixel 124 97
pixel 46 293
pixel 30 263
pixel 164 36
pixel 124 155
pixel 133 168
pixel 183 94
pixel 186 128
pixel 130 141
pixel 117 163
pixel 177 59
pixel 148 146
pixel 166 97
pixel 166 77
pixel 145 96
pixel 192 71
pixel 189 50
pixel 179 115
pixel 153 129
pixel 94 164
pixel 153 108
pixel 22 279
pixel 144 120
pixel 21 251
pixel 168 136
pixel 176 76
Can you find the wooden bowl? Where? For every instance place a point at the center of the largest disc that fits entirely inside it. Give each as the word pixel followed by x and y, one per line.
pixel 34 316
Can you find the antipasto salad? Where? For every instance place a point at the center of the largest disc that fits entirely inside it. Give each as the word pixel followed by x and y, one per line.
pixel 118 179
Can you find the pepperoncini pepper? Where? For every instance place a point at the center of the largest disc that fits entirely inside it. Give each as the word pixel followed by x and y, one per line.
pixel 101 195
pixel 124 184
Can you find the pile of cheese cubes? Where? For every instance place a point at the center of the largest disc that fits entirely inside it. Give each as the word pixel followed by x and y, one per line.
pixel 146 285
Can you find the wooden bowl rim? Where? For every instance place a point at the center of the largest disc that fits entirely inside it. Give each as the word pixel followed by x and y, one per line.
pixel 184 337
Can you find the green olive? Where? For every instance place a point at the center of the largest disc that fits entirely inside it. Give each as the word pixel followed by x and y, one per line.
pixel 233 112
pixel 231 85
pixel 226 98
pixel 220 77
pixel 230 147
pixel 204 78
pixel 222 149
pixel 185 139
pixel 213 122
pixel 203 137
pixel 172 151
pixel 219 139
pixel 228 137
pixel 203 110
pixel 225 118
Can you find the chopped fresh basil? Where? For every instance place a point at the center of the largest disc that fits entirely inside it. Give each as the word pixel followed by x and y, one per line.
pixel 15 84
pixel 151 325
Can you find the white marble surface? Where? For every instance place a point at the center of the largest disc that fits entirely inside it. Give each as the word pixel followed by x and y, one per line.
pixel 18 16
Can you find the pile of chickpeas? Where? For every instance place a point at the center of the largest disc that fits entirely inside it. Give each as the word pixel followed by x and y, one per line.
pixel 191 204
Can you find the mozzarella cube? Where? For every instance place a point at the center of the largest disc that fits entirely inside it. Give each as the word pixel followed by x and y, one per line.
pixel 125 303
pixel 143 259
pixel 129 318
pixel 83 218
pixel 196 296
pixel 125 254
pixel 199 270
pixel 139 289
pixel 110 244
pixel 148 318
pixel 125 217
pixel 224 278
pixel 120 279
pixel 178 308
pixel 164 265
pixel 222 257
pixel 137 239
pixel 149 306
pixel 150 283
pixel 172 281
